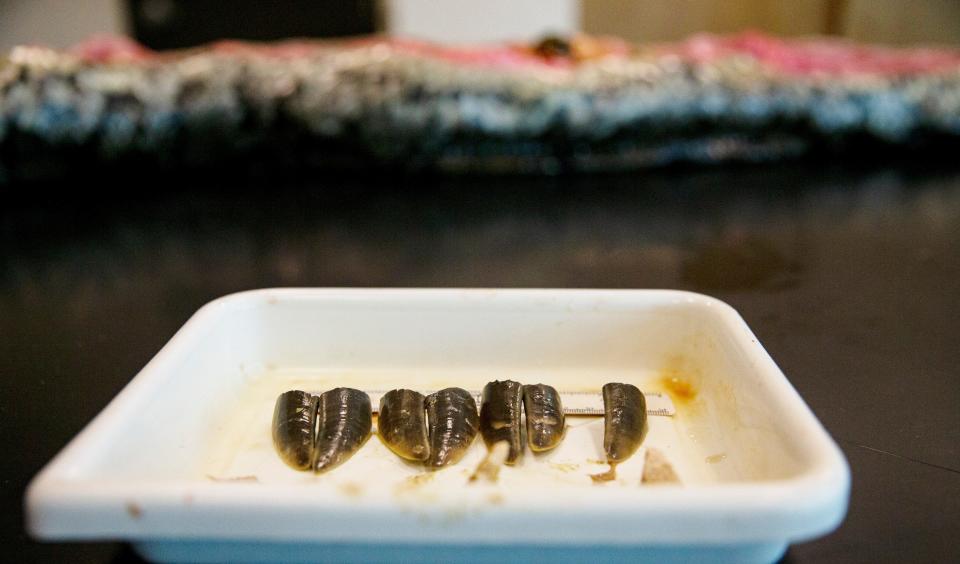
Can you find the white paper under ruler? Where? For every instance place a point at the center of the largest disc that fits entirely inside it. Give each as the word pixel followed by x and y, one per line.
pixel 574 403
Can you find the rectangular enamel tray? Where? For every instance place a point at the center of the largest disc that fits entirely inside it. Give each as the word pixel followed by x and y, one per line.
pixel 181 462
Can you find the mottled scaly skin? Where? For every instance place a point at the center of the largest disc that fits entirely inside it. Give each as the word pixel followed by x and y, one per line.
pixel 294 418
pixel 345 422
pixel 402 424
pixel 625 420
pixel 545 419
pixel 453 422
pixel 500 413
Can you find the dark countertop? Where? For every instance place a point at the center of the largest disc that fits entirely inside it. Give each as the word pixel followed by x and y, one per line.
pixel 850 276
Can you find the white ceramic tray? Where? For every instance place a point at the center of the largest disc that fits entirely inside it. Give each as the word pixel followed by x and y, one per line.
pixel 181 463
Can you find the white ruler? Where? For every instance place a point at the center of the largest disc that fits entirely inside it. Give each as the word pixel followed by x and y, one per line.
pixel 574 403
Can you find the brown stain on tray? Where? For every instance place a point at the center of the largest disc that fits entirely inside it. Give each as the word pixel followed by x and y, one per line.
pixel 608 476
pixel 679 378
pixel 679 388
pixel 351 489
pixel 413 483
pixel 241 479
pixel 564 466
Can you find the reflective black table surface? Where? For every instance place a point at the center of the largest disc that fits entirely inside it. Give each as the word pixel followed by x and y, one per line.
pixel 849 274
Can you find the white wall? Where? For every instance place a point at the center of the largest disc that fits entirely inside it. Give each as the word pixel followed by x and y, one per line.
pixel 57 23
pixel 478 21
pixel 61 23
